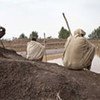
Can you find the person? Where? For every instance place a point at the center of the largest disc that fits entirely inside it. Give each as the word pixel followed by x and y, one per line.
pixel 2 31
pixel 35 50
pixel 79 52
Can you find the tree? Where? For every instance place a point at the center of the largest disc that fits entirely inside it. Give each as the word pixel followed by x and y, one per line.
pixel 33 34
pixel 63 34
pixel 95 34
pixel 49 37
pixel 22 36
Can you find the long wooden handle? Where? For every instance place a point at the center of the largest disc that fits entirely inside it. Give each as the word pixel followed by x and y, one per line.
pixel 45 48
pixel 67 23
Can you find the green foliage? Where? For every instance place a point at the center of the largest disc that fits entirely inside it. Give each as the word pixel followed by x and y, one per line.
pixel 63 34
pixel 95 34
pixel 33 34
pixel 49 37
pixel 22 36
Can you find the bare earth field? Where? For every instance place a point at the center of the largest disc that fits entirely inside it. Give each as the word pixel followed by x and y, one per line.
pixel 19 45
pixel 51 57
pixel 21 79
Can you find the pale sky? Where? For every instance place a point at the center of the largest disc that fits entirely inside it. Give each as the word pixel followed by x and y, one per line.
pixel 45 16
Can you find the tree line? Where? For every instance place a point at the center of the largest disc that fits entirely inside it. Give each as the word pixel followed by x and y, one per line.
pixel 33 34
pixel 63 34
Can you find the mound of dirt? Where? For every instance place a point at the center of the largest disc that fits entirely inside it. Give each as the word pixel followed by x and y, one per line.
pixel 10 54
pixel 21 79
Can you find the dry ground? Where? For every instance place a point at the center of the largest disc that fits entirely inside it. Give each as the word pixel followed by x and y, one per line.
pixel 51 57
pixel 21 79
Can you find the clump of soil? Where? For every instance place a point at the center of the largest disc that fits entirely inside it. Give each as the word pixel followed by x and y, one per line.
pixel 21 79
pixel 9 54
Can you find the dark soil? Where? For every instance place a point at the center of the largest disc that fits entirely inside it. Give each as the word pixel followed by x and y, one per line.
pixel 21 79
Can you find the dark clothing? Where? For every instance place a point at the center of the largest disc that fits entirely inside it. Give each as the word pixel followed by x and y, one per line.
pixel 2 31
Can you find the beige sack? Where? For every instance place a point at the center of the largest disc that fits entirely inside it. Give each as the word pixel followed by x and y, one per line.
pixel 35 50
pixel 79 52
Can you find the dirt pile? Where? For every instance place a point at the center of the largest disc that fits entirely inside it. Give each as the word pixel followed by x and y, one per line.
pixel 10 54
pixel 21 79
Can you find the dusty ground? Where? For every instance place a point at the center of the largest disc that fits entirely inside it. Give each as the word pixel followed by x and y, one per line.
pixel 20 44
pixel 21 79
pixel 51 57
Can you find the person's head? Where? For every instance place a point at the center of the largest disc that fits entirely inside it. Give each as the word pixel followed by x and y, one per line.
pixel 34 39
pixel 79 32
pixel 2 29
